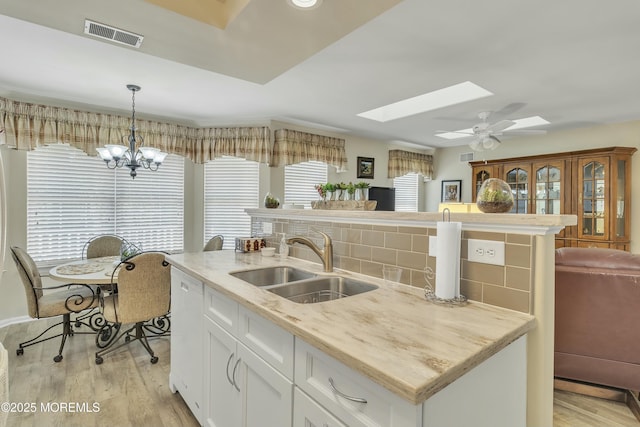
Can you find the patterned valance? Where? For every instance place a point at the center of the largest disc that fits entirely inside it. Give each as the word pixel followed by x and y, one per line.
pixel 27 126
pixel 291 147
pixel 403 162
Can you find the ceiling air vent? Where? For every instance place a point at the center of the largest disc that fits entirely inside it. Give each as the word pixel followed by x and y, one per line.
pixel 113 34
pixel 466 157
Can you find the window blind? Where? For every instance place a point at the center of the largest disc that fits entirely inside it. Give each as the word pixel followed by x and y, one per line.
pixel 150 208
pixel 406 192
pixel 72 197
pixel 231 185
pixel 300 180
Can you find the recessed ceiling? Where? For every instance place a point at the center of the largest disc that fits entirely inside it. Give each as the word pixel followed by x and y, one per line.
pixel 572 62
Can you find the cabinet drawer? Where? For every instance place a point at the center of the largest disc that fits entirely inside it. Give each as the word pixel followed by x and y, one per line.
pixel 267 340
pixel 353 398
pixel 306 412
pixel 186 284
pixel 221 309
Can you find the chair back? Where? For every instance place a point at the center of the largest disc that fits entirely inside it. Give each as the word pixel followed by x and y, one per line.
pixel 103 245
pixel 144 288
pixel 30 276
pixel 214 244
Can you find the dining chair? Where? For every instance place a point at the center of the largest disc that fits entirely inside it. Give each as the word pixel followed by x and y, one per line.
pixel 60 300
pixel 214 244
pixel 103 245
pixel 142 300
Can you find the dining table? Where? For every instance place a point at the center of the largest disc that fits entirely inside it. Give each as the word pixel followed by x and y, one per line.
pixel 97 274
pixel 90 271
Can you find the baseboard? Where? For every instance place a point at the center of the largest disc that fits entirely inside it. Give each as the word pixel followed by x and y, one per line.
pixel 14 320
pixel 630 397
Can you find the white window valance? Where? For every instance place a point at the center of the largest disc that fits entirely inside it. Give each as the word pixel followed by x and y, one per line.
pixel 291 147
pixel 26 126
pixel 403 162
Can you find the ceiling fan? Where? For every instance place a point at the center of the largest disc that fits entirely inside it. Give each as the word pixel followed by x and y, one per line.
pixel 485 134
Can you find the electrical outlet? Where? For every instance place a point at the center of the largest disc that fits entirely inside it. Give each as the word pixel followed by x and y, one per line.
pixel 486 251
pixel 267 228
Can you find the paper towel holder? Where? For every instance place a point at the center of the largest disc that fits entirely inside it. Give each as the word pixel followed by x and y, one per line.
pixel 448 212
pixel 430 294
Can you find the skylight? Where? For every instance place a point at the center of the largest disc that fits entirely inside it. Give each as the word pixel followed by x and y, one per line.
pixel 456 94
pixel 527 122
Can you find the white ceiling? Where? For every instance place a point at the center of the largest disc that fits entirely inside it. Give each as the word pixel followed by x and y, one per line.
pixel 573 62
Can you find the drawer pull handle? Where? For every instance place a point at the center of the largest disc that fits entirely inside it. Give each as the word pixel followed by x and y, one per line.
pixel 228 362
pixel 233 375
pixel 346 396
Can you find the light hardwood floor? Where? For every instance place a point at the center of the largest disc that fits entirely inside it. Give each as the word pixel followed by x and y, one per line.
pixel 130 391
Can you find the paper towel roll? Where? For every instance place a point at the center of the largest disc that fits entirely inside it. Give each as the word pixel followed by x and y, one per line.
pixel 448 259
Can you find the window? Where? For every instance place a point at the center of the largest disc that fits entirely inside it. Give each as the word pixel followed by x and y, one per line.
pixel 300 180
pixel 72 197
pixel 407 192
pixel 231 185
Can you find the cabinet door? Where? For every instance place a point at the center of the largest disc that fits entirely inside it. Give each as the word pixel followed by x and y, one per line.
pixel 519 179
pixel 593 185
pixel 480 175
pixel 222 403
pixel 186 342
pixel 549 188
pixel 307 413
pixel 266 394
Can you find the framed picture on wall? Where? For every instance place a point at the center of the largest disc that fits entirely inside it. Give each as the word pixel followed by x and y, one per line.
pixel 365 167
pixel 451 191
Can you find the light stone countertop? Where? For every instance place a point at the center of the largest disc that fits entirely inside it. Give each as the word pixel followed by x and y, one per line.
pixel 392 335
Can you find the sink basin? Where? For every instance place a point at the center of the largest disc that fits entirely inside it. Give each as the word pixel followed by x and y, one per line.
pixel 269 276
pixel 321 289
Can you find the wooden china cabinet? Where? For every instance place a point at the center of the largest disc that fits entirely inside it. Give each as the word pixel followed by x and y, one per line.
pixel 593 184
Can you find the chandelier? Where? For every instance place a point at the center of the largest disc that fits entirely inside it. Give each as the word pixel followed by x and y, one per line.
pixel 117 156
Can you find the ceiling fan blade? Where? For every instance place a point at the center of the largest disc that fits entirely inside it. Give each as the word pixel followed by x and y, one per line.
pixel 500 126
pixel 526 131
pixel 454 131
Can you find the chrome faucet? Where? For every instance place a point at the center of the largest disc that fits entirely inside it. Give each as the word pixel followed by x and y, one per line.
pixel 326 254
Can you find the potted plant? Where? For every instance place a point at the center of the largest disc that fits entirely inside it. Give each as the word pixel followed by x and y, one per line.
pixel 362 190
pixel 330 189
pixel 494 196
pixel 351 191
pixel 341 189
pixel 322 191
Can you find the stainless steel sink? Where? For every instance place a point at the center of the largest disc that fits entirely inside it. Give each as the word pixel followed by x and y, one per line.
pixel 269 276
pixel 321 289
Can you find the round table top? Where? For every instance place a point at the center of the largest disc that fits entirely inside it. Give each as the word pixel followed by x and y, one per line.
pixel 92 271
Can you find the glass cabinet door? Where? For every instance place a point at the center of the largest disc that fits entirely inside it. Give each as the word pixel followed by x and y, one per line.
pixel 480 175
pixel 593 215
pixel 518 180
pixel 548 188
pixel 621 191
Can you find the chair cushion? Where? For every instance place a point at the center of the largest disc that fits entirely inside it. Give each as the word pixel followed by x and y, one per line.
pixel 73 300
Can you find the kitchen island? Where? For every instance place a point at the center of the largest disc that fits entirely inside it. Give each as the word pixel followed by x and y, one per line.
pixel 427 361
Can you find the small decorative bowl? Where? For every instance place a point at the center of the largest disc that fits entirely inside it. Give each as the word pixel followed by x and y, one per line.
pixel 268 251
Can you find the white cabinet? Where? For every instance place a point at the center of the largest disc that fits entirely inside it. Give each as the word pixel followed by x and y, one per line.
pixel 241 388
pixel 186 345
pixel 348 395
pixel 307 413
